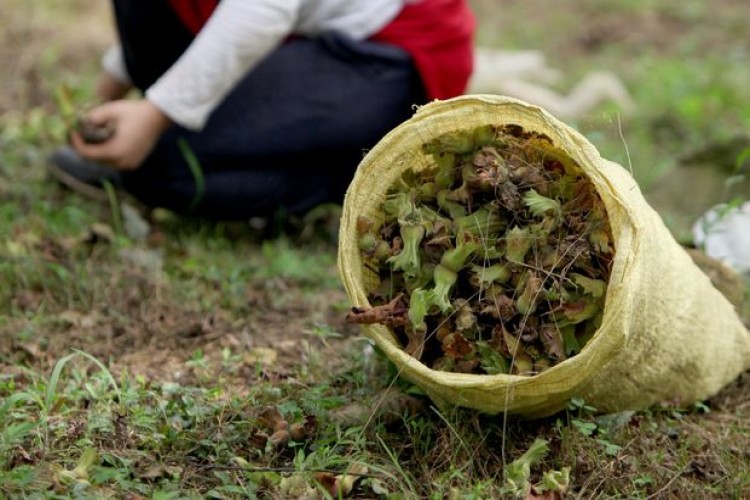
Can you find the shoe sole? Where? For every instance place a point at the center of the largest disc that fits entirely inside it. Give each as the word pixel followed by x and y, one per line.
pixel 76 185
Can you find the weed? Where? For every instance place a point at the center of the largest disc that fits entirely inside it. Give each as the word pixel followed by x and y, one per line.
pixel 581 417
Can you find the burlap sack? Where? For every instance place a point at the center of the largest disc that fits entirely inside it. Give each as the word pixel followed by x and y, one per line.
pixel 667 333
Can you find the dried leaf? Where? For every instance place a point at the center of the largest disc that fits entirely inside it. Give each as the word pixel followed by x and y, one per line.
pixel 301 431
pixel 553 341
pixel 33 349
pixel 297 486
pixel 98 231
pixel 579 310
pixel 328 481
pixel 78 319
pixel 271 418
pixel 342 485
pixel 364 224
pixel 535 290
pixel 456 346
pixel 279 438
pixel 466 365
pixel 523 364
pixel 529 298
pixel 500 307
pixel 518 242
pixel 389 406
pixel 261 355
pixel 416 336
pixel 511 343
pixel 392 314
pixel 465 318
pixel 158 471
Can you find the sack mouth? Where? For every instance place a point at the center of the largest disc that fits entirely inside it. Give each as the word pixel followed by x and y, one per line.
pixel 400 150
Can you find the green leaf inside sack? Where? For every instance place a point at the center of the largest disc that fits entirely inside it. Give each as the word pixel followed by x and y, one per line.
pixel 501 248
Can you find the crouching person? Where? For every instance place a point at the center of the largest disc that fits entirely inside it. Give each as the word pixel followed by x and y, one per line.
pixel 249 107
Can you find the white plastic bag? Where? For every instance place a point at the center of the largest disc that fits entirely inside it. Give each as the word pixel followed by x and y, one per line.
pixel 724 234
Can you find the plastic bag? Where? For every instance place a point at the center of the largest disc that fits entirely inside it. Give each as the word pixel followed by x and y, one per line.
pixel 724 233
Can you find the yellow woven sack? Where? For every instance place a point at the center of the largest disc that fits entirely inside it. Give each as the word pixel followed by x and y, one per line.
pixel 666 333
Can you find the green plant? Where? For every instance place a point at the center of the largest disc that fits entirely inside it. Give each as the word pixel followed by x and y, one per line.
pixel 581 417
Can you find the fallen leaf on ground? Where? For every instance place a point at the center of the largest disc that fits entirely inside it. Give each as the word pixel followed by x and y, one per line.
pixel 78 319
pixel 98 231
pixel 283 432
pixel 271 418
pixel 261 355
pixel 341 485
pixel 296 486
pixel 389 407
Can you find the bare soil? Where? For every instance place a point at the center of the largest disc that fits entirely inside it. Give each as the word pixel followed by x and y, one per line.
pixel 139 328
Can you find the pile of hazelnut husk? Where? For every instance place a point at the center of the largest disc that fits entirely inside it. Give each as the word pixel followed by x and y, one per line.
pixel 495 259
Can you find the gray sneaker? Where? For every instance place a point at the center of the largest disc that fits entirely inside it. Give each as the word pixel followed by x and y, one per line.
pixel 82 176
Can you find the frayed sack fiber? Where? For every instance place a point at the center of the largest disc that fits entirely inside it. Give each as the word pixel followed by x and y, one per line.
pixel 666 332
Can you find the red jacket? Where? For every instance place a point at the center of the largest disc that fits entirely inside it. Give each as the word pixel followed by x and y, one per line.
pixel 438 34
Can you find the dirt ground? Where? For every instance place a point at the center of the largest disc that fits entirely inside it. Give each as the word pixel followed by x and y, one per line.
pixel 135 322
pixel 159 335
pixel 44 44
pixel 136 326
pixel 137 329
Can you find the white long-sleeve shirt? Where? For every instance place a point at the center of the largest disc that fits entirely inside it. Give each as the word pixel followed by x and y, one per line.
pixel 237 36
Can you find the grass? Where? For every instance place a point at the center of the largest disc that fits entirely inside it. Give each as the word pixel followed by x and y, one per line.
pixel 683 74
pixel 144 368
pixel 149 438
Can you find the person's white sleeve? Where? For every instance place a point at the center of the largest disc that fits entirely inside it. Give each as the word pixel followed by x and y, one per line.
pixel 113 63
pixel 237 36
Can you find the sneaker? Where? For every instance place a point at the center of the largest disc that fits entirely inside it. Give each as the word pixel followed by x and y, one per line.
pixel 80 175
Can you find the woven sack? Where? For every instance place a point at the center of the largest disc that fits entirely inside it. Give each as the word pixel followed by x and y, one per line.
pixel 666 333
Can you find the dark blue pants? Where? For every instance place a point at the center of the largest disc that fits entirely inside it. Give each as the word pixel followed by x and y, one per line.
pixel 290 135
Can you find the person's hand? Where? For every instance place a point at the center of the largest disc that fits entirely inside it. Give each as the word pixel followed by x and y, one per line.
pixel 138 125
pixel 109 88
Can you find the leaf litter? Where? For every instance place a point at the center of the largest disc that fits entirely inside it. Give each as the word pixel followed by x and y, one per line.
pixel 495 259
